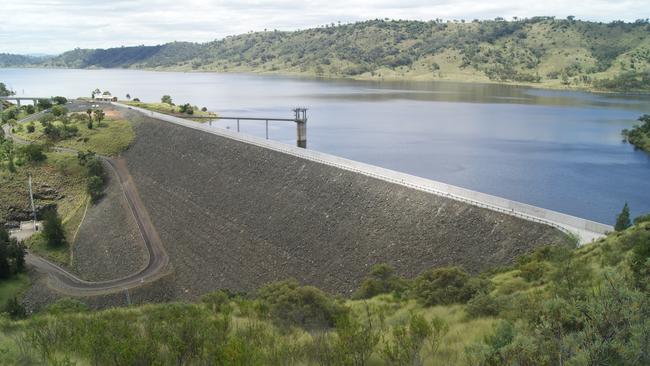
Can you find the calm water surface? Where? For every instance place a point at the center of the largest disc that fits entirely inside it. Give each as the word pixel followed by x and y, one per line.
pixel 555 149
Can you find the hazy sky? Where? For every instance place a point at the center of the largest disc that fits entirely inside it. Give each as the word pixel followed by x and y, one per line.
pixel 53 26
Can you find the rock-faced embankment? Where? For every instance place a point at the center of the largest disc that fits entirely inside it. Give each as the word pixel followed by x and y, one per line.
pixel 108 244
pixel 233 215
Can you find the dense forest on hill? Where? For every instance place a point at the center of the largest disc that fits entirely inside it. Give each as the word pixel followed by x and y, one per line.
pixel 9 60
pixel 541 50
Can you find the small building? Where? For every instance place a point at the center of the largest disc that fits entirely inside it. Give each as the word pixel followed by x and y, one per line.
pixel 105 97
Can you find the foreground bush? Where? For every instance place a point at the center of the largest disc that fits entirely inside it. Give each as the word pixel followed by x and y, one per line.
pixel 288 303
pixel 382 280
pixel 447 285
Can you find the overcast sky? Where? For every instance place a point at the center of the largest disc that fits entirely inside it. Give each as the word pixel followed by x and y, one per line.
pixel 54 26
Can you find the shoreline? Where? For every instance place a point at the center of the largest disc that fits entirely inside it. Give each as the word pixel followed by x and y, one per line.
pixel 311 76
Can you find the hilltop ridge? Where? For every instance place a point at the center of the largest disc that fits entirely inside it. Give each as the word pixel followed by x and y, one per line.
pixel 549 52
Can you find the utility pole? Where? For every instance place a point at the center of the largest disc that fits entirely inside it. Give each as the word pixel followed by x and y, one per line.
pixel 31 198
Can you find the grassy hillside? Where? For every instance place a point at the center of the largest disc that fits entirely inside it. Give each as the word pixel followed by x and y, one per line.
pixel 582 306
pixel 542 51
pixel 111 137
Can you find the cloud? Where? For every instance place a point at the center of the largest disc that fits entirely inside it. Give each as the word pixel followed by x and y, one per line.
pixel 53 26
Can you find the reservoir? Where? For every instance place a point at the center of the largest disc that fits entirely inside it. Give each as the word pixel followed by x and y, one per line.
pixel 560 150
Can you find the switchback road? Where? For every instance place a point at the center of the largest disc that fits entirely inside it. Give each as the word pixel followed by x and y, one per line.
pixel 158 261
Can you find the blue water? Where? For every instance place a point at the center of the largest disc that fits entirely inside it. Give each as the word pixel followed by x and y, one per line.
pixel 560 150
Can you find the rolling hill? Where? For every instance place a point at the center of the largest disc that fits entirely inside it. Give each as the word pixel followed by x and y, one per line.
pixel 550 52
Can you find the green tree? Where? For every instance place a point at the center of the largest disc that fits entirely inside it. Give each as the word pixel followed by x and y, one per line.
pixel 59 100
pixel 44 104
pixel 59 110
pixel 12 255
pixel 99 116
pixel 166 99
pixel 95 187
pixel 4 92
pixel 53 229
pixel 623 220
pixel 89 112
pixel 5 268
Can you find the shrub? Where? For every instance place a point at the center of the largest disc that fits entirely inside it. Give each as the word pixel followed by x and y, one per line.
pixel 483 304
pixel 641 219
pixel 46 119
pixel 67 305
pixel 95 168
pixel 95 188
pixel 218 301
pixel 59 110
pixel 356 340
pixel 15 309
pixel 407 340
pixel 533 270
pixel 382 280
pixel 186 108
pixel 12 255
pixel 623 219
pixel 33 153
pixel 288 303
pixel 640 258
pixel 30 128
pixel 447 285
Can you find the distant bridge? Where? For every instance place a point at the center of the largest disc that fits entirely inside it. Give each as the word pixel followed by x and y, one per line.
pixel 34 100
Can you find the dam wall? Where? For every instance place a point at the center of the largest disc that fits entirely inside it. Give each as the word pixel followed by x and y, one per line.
pixel 235 214
pixel 584 230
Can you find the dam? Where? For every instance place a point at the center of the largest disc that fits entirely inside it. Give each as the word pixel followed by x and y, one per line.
pixel 235 212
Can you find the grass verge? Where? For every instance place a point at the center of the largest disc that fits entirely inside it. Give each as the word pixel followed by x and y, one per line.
pixel 173 110
pixel 109 138
pixel 12 288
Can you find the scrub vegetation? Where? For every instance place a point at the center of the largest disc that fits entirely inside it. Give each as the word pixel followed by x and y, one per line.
pixel 557 305
pixel 639 135
pixel 558 53
pixel 167 106
pixel 63 182
pixel 105 133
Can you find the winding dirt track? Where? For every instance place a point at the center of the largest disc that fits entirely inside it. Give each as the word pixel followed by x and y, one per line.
pixel 66 282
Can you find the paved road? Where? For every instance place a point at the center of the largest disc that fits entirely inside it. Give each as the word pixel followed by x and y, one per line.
pixel 157 266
